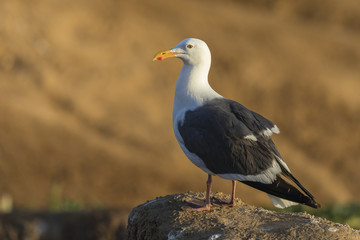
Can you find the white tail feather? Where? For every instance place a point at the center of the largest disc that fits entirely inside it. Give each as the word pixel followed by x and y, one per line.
pixel 280 202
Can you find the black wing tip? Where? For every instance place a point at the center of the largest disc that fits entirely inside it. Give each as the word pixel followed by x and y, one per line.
pixel 312 203
pixel 284 190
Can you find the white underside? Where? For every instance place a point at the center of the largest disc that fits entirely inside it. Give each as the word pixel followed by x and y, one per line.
pixel 280 202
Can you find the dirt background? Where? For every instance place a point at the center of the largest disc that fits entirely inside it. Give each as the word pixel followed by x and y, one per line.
pixel 83 107
pixel 162 218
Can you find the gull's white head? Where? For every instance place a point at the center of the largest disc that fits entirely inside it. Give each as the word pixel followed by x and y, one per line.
pixel 191 51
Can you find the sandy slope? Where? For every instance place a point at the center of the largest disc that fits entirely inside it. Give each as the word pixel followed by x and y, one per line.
pixel 82 105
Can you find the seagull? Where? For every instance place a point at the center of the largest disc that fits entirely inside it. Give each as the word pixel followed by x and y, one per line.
pixel 224 138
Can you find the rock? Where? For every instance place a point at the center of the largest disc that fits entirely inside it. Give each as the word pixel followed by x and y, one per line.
pixel 163 218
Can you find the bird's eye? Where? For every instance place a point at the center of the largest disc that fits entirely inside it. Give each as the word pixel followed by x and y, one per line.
pixel 189 46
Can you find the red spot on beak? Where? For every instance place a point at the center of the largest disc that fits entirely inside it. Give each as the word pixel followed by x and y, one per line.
pixel 159 58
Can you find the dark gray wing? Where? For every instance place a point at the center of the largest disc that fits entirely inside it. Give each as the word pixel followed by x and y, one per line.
pixel 218 133
pixel 230 138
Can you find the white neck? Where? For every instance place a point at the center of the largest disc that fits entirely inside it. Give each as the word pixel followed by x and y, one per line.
pixel 192 87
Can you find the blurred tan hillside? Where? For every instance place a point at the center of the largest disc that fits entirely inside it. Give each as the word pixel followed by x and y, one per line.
pixel 83 107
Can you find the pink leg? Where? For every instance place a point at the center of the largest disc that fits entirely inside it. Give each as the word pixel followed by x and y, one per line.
pixel 232 200
pixel 198 207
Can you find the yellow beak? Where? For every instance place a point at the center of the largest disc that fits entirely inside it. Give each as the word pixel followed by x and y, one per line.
pixel 165 54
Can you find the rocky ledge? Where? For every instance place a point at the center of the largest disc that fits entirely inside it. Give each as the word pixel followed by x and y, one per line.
pixel 163 218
